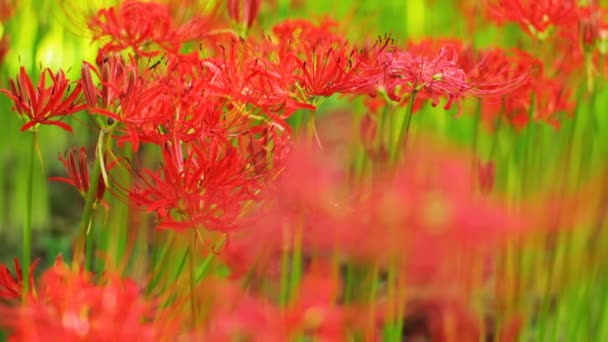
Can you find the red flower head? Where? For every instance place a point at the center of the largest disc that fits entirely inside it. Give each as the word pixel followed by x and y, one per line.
pixel 431 78
pixel 126 94
pixel 72 307
pixel 244 11
pixel 41 104
pixel 336 67
pixel 144 27
pixel 7 7
pixel 4 45
pixel 489 73
pixel 11 287
pixel 135 24
pixel 535 16
pixel 78 172
pixel 207 187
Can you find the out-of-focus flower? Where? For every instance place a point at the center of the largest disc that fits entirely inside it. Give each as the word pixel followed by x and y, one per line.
pixel 71 306
pixel 41 105
pixel 7 7
pixel 534 16
pixel 486 176
pixel 146 27
pixel 244 11
pixel 235 314
pixel 4 46
pixel 11 287
pixel 314 311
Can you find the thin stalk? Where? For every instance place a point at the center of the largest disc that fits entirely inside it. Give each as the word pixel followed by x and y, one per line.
pixel 209 259
pixel 192 277
pixel 296 265
pixel 405 127
pixel 392 328
pixel 284 294
pixel 371 328
pixel 27 227
pixel 475 143
pixel 90 241
pixel 90 200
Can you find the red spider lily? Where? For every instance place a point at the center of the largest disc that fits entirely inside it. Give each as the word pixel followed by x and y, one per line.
pixel 592 20
pixel 207 187
pixel 236 314
pixel 324 63
pixel 490 72
pixel 309 197
pixel 125 94
pixel 432 78
pixel 445 215
pixel 580 44
pixel 78 173
pixel 541 99
pixel 7 7
pixel 314 312
pixel 244 11
pixel 535 16
pixel 12 287
pixel 245 76
pixel 330 68
pixel 4 46
pixel 137 25
pixel 40 105
pixel 433 198
pixel 72 307
pixel 291 34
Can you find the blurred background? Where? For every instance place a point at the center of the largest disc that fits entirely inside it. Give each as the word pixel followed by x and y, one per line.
pixel 41 33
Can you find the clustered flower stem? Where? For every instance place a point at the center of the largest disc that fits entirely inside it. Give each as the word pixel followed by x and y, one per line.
pixel 85 248
pixel 400 146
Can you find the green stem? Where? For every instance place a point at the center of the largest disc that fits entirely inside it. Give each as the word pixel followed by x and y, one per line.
pixel 27 228
pixel 405 127
pixel 284 294
pixel 192 278
pixel 86 243
pixel 296 264
pixel 90 241
pixel 209 258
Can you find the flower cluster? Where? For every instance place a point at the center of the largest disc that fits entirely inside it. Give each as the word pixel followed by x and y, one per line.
pixel 283 224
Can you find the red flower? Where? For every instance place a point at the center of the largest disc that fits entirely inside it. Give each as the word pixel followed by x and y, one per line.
pixel 335 67
pixel 40 105
pixel 207 187
pixel 135 24
pixel 78 172
pixel 432 78
pixel 4 45
pixel 144 26
pixel 72 307
pixel 7 7
pixel 535 16
pixel 244 11
pixel 489 73
pixel 11 287
pixel 125 94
